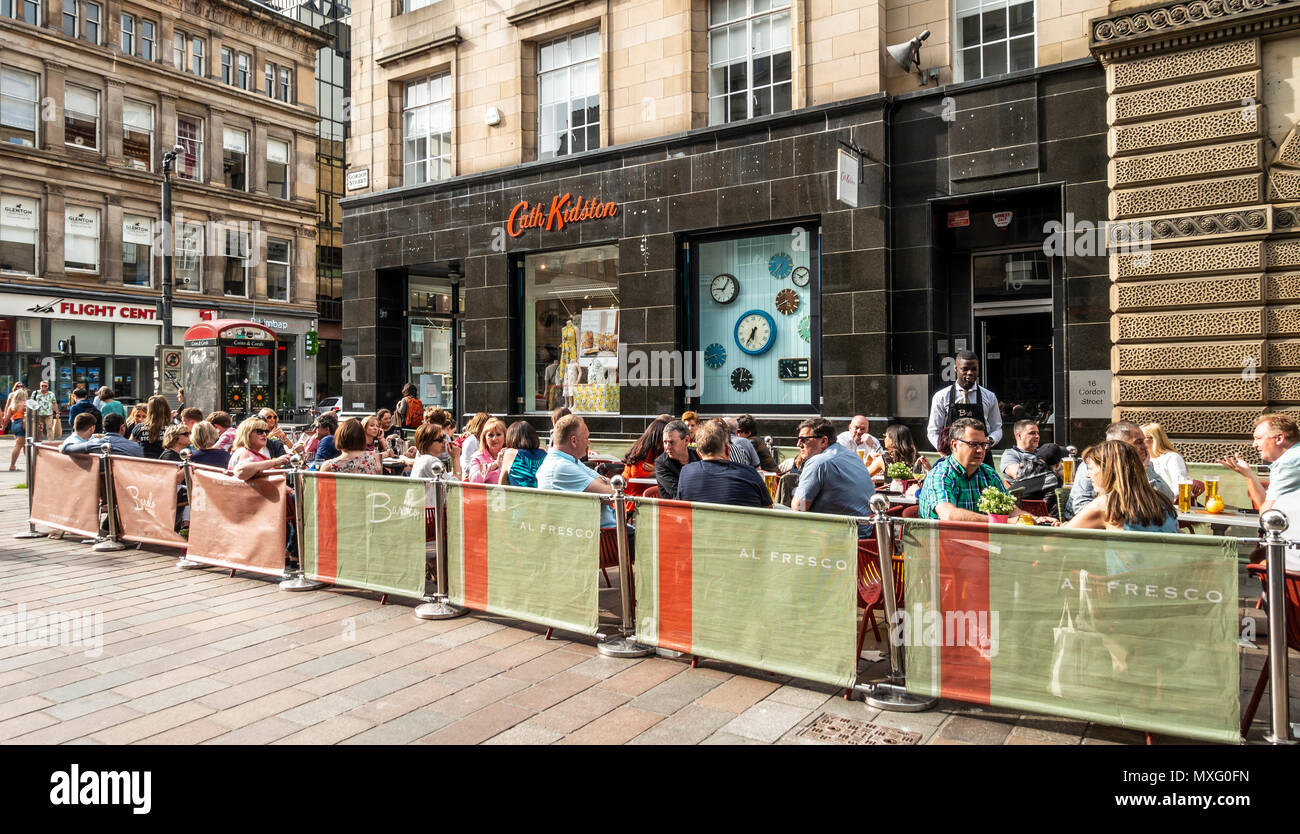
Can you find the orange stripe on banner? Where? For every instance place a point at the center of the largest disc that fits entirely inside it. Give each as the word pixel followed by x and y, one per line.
pixel 676 576
pixel 964 663
pixel 327 530
pixel 474 505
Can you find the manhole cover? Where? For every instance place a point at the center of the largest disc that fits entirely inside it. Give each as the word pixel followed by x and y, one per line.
pixel 836 729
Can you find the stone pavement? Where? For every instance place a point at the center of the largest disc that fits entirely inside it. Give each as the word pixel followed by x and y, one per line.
pixel 197 657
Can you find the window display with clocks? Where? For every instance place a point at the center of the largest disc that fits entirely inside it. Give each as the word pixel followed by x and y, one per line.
pixel 757 326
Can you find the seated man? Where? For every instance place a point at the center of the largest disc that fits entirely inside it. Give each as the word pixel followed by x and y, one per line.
pixel 1014 459
pixel 562 470
pixel 857 438
pixel 952 489
pixel 1277 439
pixel 1082 490
pixel 83 426
pixel 715 478
pixel 742 451
pixel 833 479
pixel 668 466
pixel 747 427
pixel 190 417
pixel 113 424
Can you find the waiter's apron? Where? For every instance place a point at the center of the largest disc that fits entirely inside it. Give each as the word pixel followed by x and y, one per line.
pixel 956 411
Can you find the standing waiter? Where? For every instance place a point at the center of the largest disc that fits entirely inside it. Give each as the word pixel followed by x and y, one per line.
pixel 964 398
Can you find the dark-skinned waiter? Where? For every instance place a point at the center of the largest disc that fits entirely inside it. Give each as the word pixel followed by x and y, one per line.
pixel 964 398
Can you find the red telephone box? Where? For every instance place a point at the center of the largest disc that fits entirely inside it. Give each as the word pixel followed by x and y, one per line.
pixel 230 365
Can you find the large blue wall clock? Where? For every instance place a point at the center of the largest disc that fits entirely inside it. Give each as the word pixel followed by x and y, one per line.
pixel 755 332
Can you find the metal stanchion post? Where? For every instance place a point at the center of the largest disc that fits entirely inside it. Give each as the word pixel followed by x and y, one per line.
pixel 110 501
pixel 626 645
pixel 299 581
pixel 1275 523
pixel 30 465
pixel 438 606
pixel 891 694
pixel 184 562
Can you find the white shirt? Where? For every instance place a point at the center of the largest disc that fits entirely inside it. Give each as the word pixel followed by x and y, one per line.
pixel 868 443
pixel 468 449
pixel 1171 468
pixel 939 411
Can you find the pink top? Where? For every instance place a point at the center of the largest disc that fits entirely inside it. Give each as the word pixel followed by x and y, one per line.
pixel 226 440
pixel 245 452
pixel 366 463
pixel 478 469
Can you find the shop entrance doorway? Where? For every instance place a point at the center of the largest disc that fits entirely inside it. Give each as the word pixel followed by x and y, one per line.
pixel 1013 335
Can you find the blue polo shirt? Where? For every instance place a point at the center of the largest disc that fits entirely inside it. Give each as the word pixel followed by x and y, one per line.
pixel 562 471
pixel 837 481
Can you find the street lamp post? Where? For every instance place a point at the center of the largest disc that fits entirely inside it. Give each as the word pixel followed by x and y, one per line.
pixel 168 243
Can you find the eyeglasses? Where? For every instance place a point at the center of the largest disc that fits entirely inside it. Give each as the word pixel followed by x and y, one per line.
pixel 984 445
pixel 804 438
pixel 261 431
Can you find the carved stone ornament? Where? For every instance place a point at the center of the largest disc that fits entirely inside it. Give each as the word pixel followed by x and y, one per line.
pixel 1155 21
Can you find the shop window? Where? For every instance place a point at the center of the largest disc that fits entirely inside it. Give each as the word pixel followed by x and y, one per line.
pixel 426 130
pixel 81 20
pixel 137 135
pixel 749 59
pixel 235 272
pixel 189 135
pixel 993 37
pixel 570 323
pixel 24 10
pixel 568 95
pixel 20 219
pixel 277 168
pixel 278 269
pixel 19 100
pixel 428 313
pixel 234 163
pixel 137 260
pixel 758 303
pixel 81 239
pixel 187 260
pixel 81 117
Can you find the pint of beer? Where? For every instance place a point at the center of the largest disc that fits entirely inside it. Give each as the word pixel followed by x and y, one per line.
pixel 1211 488
pixel 862 455
pixel 1184 496
pixel 1067 470
pixel 771 478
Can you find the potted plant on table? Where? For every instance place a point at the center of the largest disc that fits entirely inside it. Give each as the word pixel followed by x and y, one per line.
pixel 996 504
pixel 898 474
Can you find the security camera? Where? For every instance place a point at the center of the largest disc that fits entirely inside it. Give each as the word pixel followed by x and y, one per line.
pixel 908 56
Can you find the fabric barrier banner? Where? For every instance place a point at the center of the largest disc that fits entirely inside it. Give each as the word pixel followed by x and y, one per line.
pixel 525 553
pixel 1137 630
pixel 145 494
pixel 364 531
pixel 767 589
pixel 238 524
pixel 66 491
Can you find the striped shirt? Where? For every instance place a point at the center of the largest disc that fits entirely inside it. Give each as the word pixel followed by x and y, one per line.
pixel 948 483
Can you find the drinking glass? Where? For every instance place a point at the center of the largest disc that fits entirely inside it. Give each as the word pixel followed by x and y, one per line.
pixel 1211 488
pixel 1067 470
pixel 1185 496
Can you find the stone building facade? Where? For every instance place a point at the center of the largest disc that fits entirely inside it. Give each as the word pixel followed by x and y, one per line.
pixel 95 93
pixel 1204 156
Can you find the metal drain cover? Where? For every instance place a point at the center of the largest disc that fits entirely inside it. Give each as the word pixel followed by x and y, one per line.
pixel 836 729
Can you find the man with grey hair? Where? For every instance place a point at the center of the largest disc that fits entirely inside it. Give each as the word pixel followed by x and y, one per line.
pixel 1082 491
pixel 676 454
pixel 742 451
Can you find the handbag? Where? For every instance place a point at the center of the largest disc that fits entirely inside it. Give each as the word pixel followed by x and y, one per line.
pixel 1082 665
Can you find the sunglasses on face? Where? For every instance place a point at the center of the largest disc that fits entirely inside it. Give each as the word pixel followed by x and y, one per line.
pixel 802 439
pixel 261 431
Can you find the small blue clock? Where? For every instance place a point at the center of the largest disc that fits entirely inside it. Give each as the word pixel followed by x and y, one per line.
pixel 755 332
pixel 715 356
pixel 780 265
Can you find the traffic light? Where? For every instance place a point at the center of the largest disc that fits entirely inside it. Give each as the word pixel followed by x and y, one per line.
pixel 68 346
pixel 311 343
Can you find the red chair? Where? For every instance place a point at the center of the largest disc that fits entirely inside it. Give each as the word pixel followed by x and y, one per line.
pixel 1292 601
pixel 430 524
pixel 651 492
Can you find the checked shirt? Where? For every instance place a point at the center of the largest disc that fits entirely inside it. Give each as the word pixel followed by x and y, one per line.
pixel 947 483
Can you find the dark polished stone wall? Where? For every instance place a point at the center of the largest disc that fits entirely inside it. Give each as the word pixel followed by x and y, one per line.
pixel 756 173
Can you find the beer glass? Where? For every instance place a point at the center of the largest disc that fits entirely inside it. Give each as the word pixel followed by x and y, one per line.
pixel 1067 470
pixel 1185 496
pixel 862 455
pixel 770 479
pixel 1211 488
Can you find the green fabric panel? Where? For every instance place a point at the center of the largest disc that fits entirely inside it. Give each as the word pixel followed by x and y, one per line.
pixel 776 591
pixel 920 567
pixel 310 528
pixel 1150 643
pixel 380 522
pixel 646 573
pixel 543 555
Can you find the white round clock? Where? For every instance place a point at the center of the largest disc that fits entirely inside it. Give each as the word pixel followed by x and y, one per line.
pixel 724 288
pixel 755 332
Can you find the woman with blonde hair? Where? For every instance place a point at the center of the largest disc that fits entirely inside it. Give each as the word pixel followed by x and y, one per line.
pixel 1125 498
pixel 248 456
pixel 15 412
pixel 138 414
pixel 485 466
pixel 204 437
pixel 149 432
pixel 375 440
pixel 469 439
pixel 1169 465
pixel 174 440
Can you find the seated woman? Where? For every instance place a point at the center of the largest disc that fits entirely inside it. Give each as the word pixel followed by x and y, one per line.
pixel 639 462
pixel 174 440
pixel 354 458
pixel 485 466
pixel 204 437
pixel 522 455
pixel 899 448
pixel 1125 499
pixel 430 443
pixel 375 440
pixel 248 457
